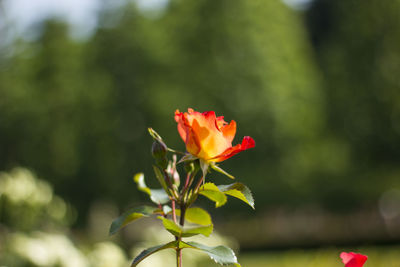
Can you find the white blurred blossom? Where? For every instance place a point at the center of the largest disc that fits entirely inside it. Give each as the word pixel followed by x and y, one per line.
pixel 20 185
pixel 107 254
pixel 44 249
pixel 24 192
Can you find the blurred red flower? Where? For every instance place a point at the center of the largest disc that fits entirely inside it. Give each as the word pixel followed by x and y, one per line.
pixel 352 259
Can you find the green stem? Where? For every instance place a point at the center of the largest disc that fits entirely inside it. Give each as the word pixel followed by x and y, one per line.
pixel 182 223
pixel 179 257
pixel 173 211
pixel 184 205
pixel 179 253
pixel 195 192
pixel 176 151
pixel 183 212
pixel 188 183
pixel 168 180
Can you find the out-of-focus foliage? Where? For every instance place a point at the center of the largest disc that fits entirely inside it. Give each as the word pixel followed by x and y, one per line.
pixel 324 114
pixel 77 112
pixel 34 228
pixel 356 44
pixel 24 196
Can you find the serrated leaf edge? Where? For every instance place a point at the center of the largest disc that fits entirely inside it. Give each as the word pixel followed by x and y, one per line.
pixel 142 254
pixel 195 245
pixel 250 202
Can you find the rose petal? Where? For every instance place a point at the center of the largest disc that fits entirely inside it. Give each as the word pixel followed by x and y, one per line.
pixel 182 128
pixel 211 140
pixel 247 143
pixel 220 122
pixel 229 131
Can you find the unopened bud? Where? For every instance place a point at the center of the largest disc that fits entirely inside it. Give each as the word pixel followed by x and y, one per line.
pixel 175 176
pixel 171 169
pixel 159 149
pixel 159 152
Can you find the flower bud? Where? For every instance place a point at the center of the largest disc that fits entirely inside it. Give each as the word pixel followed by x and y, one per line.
pixel 158 149
pixel 176 178
pixel 171 169
pixel 159 152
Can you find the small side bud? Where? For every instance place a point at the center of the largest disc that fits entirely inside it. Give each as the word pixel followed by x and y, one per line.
pixel 159 150
pixel 171 170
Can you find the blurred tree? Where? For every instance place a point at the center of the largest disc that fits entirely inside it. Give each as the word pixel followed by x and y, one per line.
pixel 51 119
pixel 357 49
pixel 247 60
pixel 77 112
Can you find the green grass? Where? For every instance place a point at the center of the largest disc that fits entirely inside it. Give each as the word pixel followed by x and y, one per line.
pixel 377 257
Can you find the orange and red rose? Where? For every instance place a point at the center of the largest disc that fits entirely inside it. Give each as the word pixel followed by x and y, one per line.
pixel 352 259
pixel 209 137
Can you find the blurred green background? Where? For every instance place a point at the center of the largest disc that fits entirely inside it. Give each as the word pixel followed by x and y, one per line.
pixel 315 83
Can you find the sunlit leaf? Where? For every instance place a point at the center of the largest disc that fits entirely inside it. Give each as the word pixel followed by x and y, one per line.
pixel 171 227
pixel 147 252
pixel 158 196
pixel 186 231
pixel 139 180
pixel 212 192
pixel 197 230
pixel 130 216
pixel 239 191
pixel 166 209
pixel 197 216
pixel 220 254
pixel 218 169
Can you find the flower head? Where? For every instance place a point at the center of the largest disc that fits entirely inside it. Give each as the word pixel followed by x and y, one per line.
pixel 209 137
pixel 352 259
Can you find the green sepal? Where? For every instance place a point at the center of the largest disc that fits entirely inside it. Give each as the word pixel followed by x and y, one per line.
pixel 204 167
pixel 158 196
pixel 220 254
pixel 186 231
pixel 196 216
pixel 130 216
pixel 154 134
pixel 147 252
pixel 212 192
pixel 218 169
pixel 239 191
pixel 187 157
